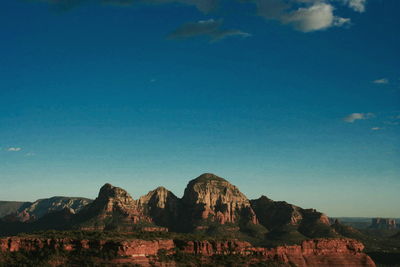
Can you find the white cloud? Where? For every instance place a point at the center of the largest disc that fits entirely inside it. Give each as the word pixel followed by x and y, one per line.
pixel 30 154
pixel 14 149
pixel 358 116
pixel 376 128
pixel 356 5
pixel 381 81
pixel 210 28
pixel 316 17
pixel 303 15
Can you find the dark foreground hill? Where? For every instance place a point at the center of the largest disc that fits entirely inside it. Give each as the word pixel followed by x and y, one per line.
pixel 213 219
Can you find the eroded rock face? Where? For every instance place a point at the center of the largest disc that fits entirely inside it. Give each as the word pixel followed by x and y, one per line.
pixel 213 198
pixel 275 215
pixel 36 210
pixel 162 206
pixel 383 223
pixel 311 253
pixel 113 207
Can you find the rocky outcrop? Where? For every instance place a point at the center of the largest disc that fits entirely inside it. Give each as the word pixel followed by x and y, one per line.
pixel 10 207
pixel 311 253
pixel 113 209
pixel 209 197
pixel 318 253
pixel 383 223
pixel 162 206
pixel 36 210
pixel 278 215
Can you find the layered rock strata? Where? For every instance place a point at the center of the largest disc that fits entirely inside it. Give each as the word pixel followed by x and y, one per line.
pixel 311 253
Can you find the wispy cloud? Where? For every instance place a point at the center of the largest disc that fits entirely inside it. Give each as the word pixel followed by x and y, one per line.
pixel 14 149
pixel 381 81
pixel 302 15
pixel 356 5
pixel 376 128
pixel 358 116
pixel 209 28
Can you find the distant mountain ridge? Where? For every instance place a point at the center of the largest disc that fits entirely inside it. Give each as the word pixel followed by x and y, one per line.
pixel 8 207
pixel 31 211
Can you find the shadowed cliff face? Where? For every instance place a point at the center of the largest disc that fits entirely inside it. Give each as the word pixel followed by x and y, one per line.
pixel 114 208
pixel 212 198
pixel 288 221
pixel 162 206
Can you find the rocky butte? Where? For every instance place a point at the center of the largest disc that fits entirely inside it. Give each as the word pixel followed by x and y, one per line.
pixel 212 223
pixel 383 223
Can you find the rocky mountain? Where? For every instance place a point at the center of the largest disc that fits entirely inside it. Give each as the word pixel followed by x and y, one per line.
pixel 211 207
pixel 113 209
pixel 383 223
pixel 27 211
pixel 289 222
pixel 162 206
pixel 210 198
pixel 8 207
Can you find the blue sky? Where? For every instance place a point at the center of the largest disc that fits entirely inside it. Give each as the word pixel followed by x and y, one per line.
pixel 297 100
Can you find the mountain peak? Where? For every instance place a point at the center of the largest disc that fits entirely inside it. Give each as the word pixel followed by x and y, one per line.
pixel 205 177
pixel 113 205
pixel 212 197
pixel 110 191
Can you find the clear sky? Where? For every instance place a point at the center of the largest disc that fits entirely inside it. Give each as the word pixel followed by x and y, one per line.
pixel 297 100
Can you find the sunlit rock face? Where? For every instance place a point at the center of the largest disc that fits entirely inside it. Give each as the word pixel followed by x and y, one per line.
pixel 209 197
pixel 162 206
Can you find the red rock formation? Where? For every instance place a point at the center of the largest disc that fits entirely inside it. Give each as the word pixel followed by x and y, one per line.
pixel 213 198
pixel 112 203
pixel 383 223
pixel 161 205
pixel 311 253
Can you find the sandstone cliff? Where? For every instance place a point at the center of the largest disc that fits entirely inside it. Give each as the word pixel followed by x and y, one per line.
pixel 209 197
pixel 162 206
pixel 113 209
pixel 383 223
pixel 311 253
pixel 278 216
